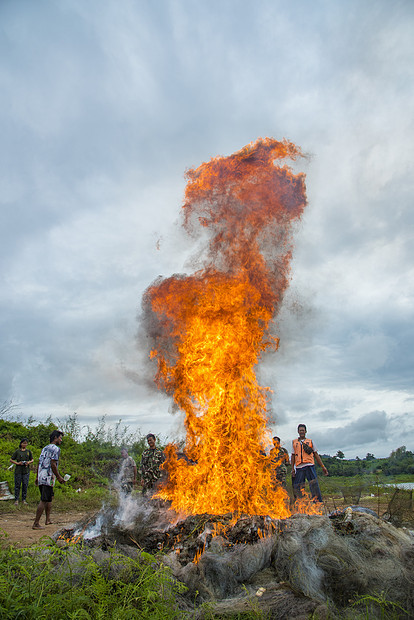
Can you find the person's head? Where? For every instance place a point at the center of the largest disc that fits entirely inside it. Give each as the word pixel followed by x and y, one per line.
pixel 302 430
pixel 56 437
pixel 23 443
pixel 276 441
pixel 151 440
pixel 124 453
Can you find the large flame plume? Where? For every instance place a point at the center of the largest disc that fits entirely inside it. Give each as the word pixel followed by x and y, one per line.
pixel 210 329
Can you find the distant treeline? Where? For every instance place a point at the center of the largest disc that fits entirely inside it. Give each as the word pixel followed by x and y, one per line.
pixel 400 461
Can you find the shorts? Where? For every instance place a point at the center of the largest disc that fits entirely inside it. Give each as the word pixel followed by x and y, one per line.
pixel 127 487
pixel 46 493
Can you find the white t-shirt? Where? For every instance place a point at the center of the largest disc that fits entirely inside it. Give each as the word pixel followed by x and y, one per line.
pixel 45 474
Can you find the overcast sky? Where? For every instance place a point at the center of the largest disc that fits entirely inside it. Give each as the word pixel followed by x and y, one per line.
pixel 105 104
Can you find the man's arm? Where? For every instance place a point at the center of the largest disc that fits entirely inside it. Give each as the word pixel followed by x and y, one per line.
pixel 319 461
pixel 54 467
pixel 292 463
pixel 142 466
pixel 13 459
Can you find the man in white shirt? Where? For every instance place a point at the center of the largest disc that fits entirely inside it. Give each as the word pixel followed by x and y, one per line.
pixel 47 474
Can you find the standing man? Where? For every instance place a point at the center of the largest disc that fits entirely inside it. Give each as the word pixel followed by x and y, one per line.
pixel 303 459
pixel 151 461
pixel 128 472
pixel 279 459
pixel 22 458
pixel 47 473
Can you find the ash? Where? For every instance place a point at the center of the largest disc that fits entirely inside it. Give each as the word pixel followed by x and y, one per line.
pixel 303 565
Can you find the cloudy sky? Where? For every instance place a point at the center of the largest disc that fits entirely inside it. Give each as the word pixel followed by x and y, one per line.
pixel 105 105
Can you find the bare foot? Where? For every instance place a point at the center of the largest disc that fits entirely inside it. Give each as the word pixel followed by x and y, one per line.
pixel 36 526
pixel 49 523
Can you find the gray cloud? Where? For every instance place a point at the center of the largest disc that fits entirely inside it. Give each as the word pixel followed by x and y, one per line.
pixel 365 430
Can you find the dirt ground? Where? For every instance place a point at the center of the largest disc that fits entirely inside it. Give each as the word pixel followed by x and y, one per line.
pixel 16 522
pixel 16 525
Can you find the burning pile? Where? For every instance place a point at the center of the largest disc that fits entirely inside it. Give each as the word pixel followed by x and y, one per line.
pixel 287 568
pixel 210 329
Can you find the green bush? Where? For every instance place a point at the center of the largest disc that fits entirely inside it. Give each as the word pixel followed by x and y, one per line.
pixel 92 461
pixel 49 582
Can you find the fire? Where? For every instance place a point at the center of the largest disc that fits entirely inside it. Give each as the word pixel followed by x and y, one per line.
pixel 211 328
pixel 198 554
pixel 74 537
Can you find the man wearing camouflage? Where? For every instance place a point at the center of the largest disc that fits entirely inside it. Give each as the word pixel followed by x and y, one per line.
pixel 279 459
pixel 151 460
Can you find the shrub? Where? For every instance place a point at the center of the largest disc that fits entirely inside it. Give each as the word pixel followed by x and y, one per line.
pixel 50 582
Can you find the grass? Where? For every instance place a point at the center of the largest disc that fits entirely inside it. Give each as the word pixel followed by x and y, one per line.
pixel 376 607
pixel 340 490
pixel 48 582
pixel 66 499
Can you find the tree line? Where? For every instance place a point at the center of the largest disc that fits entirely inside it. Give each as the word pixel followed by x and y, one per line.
pixel 400 461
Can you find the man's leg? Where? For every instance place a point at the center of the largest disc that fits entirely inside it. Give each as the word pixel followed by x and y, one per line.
pixel 48 509
pixel 17 483
pixel 313 482
pixel 45 504
pixel 147 489
pixel 25 484
pixel 281 479
pixel 298 482
pixel 39 511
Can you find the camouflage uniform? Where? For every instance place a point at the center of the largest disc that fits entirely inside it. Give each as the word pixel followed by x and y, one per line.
pixel 279 457
pixel 150 471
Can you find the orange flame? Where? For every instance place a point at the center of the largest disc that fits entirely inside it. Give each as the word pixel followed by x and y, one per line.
pixel 198 555
pixel 307 505
pixel 211 328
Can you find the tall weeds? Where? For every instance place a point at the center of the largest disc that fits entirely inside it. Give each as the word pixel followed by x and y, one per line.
pixel 49 582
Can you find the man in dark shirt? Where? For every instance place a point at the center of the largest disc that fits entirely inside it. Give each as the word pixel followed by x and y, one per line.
pixel 279 458
pixel 22 458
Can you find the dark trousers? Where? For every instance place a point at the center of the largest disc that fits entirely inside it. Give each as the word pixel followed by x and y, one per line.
pixel 23 480
pixel 303 474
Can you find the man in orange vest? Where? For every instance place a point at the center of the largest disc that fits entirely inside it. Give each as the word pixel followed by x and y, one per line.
pixel 303 459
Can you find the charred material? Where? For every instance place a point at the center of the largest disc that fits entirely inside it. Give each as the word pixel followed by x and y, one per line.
pixel 188 537
pixel 282 566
